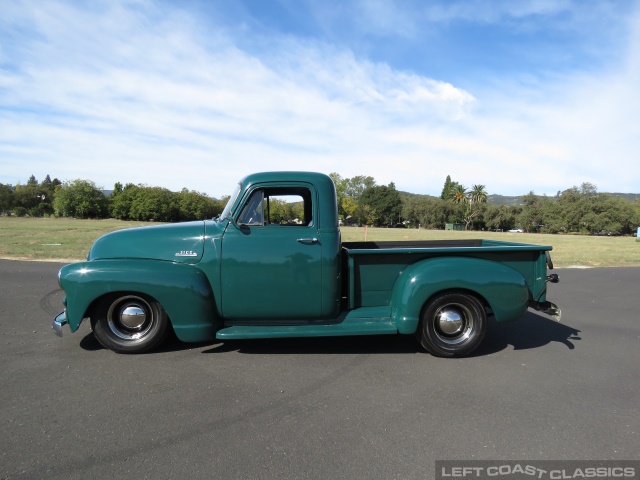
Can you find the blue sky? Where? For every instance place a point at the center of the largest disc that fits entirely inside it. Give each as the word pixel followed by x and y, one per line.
pixel 516 95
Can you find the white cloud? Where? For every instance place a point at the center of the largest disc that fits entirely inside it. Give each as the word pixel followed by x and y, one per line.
pixel 134 92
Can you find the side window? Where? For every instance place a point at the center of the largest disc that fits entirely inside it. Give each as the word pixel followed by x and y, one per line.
pixel 283 206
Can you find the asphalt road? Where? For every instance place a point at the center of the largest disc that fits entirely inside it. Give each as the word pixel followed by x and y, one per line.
pixel 365 407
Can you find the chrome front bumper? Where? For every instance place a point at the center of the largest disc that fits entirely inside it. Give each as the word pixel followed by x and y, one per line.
pixel 59 322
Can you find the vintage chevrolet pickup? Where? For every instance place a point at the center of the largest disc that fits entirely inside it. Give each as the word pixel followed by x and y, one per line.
pixel 255 273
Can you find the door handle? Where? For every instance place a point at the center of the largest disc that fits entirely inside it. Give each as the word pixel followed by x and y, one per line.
pixel 308 241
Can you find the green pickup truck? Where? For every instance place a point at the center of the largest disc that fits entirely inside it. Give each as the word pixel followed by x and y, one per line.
pixel 257 271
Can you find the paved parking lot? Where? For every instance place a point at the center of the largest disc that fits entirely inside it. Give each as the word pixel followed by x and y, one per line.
pixel 365 407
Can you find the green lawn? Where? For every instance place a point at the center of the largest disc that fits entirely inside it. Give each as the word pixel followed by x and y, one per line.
pixel 53 238
pixel 70 240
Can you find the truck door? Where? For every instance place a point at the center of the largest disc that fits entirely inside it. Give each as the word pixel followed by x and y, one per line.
pixel 271 257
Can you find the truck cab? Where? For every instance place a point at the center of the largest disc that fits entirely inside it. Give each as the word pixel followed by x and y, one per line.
pixel 288 264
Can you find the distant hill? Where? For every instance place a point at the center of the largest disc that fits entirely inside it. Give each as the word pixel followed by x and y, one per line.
pixel 504 200
pixel 409 195
pixel 628 196
pixel 509 200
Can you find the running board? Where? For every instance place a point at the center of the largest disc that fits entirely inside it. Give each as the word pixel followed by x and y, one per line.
pixel 371 326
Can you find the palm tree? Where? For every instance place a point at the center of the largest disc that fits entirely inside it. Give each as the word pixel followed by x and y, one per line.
pixel 478 194
pixel 460 194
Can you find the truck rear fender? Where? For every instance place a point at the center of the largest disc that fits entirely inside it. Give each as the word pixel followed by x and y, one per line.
pixel 183 291
pixel 501 288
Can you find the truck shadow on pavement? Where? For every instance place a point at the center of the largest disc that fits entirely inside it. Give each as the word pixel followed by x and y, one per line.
pixel 533 330
pixel 367 344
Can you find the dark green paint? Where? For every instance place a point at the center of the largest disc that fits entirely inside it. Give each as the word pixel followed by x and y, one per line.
pixel 183 290
pixel 178 242
pixel 221 279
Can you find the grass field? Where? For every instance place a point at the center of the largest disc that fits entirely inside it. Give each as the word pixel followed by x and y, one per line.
pixel 53 238
pixel 67 240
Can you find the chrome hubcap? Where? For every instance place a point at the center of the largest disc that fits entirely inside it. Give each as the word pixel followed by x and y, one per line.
pixel 450 321
pixel 130 317
pixel 454 324
pixel 133 316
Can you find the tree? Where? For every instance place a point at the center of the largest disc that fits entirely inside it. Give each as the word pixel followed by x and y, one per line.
pixel 459 194
pixel 471 200
pixel 500 217
pixel 609 215
pixel 283 210
pixel 340 185
pixel 429 212
pixel 355 187
pixel 588 189
pixel 47 191
pixel 348 193
pixel 144 203
pixel 193 205
pixel 80 199
pixel 382 205
pixel 27 196
pixel 450 188
pixel 474 199
pixel 154 204
pixel 478 194
pixel 412 208
pixel 35 199
pixel 121 199
pixel 6 198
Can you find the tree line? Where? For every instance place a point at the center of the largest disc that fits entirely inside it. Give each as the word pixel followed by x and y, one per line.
pixel 576 210
pixel 82 199
pixel 361 201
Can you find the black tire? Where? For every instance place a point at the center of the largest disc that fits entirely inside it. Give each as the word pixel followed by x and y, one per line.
pixel 129 323
pixel 452 324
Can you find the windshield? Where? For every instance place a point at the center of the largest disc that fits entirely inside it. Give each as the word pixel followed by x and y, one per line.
pixel 232 199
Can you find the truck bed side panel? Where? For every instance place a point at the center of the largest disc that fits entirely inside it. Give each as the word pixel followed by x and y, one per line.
pixel 503 288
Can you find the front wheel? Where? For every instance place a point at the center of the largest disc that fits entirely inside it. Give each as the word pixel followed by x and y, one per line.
pixel 129 323
pixel 452 324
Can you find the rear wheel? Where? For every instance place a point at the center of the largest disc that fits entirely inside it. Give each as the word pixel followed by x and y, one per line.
pixel 129 323
pixel 453 324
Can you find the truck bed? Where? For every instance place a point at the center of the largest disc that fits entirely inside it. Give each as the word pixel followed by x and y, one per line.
pixel 370 269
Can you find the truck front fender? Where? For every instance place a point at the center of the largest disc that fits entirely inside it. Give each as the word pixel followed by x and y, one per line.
pixel 503 288
pixel 182 290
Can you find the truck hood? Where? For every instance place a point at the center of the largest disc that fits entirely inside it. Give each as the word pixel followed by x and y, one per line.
pixel 177 242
